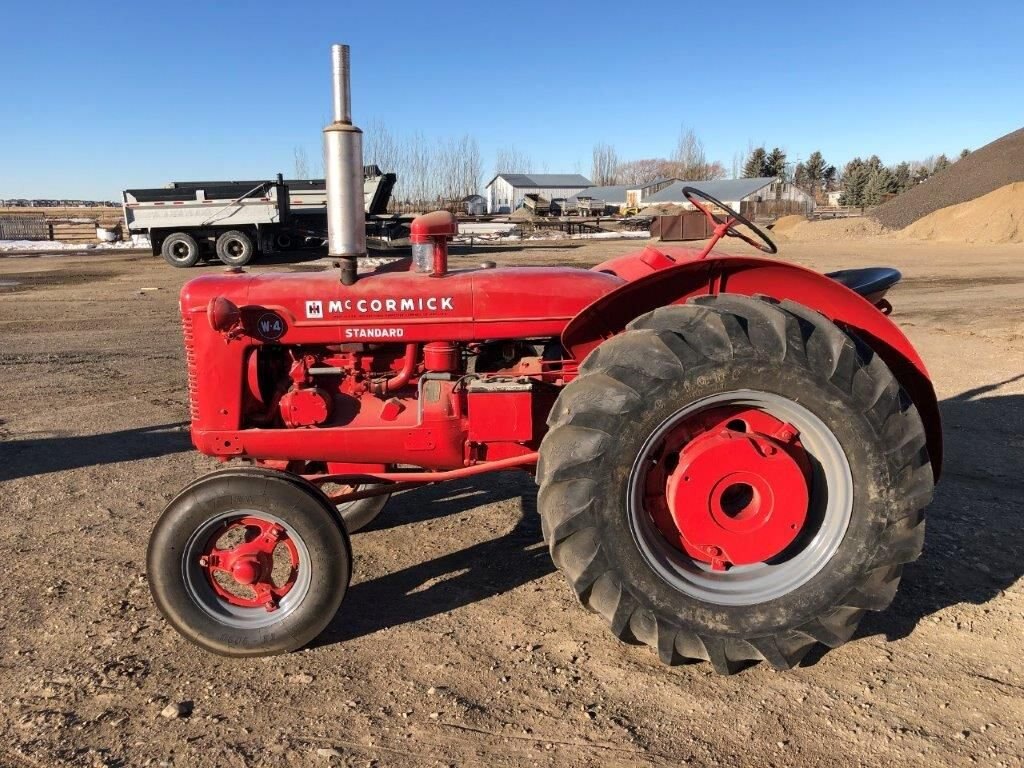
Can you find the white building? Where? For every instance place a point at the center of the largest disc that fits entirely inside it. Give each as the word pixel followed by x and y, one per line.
pixel 764 196
pixel 624 195
pixel 505 192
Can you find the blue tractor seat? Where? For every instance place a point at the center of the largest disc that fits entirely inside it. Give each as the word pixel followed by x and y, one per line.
pixel 869 282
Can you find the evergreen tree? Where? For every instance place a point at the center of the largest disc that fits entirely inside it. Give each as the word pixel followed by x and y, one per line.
pixel 921 174
pixel 902 175
pixel 800 177
pixel 829 177
pixel 964 153
pixel 941 163
pixel 879 185
pixel 754 166
pixel 855 179
pixel 814 172
pixel 775 164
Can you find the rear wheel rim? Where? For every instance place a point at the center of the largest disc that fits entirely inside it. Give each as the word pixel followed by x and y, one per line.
pixel 828 510
pixel 211 590
pixel 181 251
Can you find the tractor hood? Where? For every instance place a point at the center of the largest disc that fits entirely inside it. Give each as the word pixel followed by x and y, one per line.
pixel 463 305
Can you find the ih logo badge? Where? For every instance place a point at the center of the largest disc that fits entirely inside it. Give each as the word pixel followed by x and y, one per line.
pixel 270 326
pixel 314 310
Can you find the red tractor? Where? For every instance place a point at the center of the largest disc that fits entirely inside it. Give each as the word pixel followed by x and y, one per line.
pixel 733 453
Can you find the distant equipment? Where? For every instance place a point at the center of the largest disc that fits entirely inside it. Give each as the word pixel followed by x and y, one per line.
pixel 588 206
pixel 236 220
pixel 536 204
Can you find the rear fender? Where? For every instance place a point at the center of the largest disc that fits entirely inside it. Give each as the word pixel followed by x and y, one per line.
pixel 747 276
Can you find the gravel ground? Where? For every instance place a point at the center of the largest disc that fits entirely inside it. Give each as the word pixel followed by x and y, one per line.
pixel 458 644
pixel 995 165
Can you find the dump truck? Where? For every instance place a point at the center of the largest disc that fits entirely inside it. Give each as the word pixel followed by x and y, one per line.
pixel 234 221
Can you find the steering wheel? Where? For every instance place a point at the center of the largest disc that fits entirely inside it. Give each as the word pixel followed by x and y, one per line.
pixel 728 226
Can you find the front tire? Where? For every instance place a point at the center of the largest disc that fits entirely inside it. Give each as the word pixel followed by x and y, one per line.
pixel 637 470
pixel 249 562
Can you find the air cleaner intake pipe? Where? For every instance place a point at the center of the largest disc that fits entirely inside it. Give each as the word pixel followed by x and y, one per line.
pixel 430 234
pixel 343 167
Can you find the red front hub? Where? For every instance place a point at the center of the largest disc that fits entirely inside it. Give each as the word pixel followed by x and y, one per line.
pixel 736 493
pixel 240 561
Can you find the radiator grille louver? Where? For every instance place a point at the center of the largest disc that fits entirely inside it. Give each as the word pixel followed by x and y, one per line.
pixel 190 362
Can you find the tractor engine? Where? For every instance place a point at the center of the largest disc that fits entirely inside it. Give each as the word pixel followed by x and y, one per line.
pixel 440 403
pixel 482 394
pixel 274 378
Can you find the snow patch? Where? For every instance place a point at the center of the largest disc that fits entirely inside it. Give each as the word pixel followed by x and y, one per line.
pixel 22 246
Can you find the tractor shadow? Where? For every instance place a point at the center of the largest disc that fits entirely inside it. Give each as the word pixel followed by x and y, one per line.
pixel 437 586
pixel 974 537
pixel 38 456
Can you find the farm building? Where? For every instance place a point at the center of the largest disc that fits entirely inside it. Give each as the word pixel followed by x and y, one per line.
pixel 474 205
pixel 764 196
pixel 506 191
pixel 621 195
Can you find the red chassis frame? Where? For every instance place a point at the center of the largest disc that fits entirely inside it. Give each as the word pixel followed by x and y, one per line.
pixel 410 410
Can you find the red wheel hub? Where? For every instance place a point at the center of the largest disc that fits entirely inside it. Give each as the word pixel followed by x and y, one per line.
pixel 242 574
pixel 738 491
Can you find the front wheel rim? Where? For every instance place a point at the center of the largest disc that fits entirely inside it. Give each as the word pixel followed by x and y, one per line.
pixel 270 600
pixel 822 527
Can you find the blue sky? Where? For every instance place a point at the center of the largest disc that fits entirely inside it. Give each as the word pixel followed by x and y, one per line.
pixel 100 96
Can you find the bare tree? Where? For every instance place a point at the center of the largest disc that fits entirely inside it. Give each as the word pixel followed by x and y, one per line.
pixel 421 163
pixel 301 168
pixel 637 172
pixel 605 163
pixel 738 159
pixel 690 159
pixel 472 167
pixel 512 160
pixel 431 171
pixel 380 148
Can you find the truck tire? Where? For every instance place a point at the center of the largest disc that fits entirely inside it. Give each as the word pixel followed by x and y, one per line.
pixel 249 562
pixel 180 250
pixel 234 248
pixel 734 480
pixel 285 241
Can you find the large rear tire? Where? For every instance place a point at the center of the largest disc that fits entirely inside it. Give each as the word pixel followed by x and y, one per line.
pixel 249 562
pixel 734 480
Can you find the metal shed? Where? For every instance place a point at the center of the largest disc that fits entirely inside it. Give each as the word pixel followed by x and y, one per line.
pixel 506 191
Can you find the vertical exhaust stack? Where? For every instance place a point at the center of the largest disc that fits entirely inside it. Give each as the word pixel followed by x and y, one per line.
pixel 343 167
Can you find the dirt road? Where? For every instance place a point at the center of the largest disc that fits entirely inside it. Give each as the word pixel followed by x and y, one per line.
pixel 458 644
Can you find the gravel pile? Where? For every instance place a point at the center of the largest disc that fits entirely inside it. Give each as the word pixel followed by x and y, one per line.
pixel 984 170
pixel 997 217
pixel 521 214
pixel 803 231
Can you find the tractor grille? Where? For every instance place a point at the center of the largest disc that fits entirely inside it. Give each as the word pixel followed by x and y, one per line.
pixel 190 362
